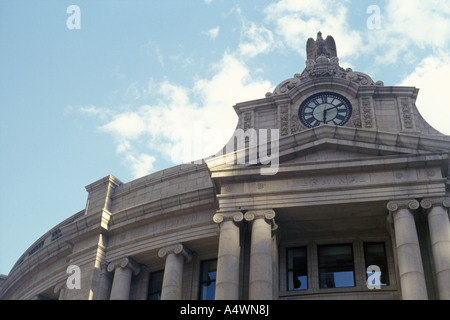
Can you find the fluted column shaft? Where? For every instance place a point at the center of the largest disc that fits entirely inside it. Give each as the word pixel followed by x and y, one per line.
pixel 412 278
pixel 227 276
pixel 261 275
pixel 173 271
pixel 123 271
pixel 439 225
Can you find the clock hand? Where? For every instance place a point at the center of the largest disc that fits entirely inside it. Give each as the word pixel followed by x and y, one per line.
pixel 325 113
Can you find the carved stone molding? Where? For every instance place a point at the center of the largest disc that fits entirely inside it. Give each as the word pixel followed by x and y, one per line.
pixel 235 216
pixel 428 203
pixel 295 124
pixel 410 204
pixel 176 249
pixel 406 112
pixel 324 67
pixel 367 113
pixel 126 262
pixel 248 120
pixel 284 120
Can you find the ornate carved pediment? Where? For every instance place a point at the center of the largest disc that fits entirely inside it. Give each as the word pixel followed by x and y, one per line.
pixel 322 62
pixel 324 67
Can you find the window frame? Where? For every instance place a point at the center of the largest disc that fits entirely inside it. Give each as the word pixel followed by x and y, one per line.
pixel 154 292
pixel 291 249
pixel 320 266
pixel 385 258
pixel 201 282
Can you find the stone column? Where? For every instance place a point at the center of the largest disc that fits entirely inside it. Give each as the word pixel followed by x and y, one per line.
pixel 412 278
pixel 261 276
pixel 227 277
pixel 438 223
pixel 123 271
pixel 60 289
pixel 176 256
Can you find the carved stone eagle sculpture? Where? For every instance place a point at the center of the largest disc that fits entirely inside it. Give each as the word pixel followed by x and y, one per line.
pixel 319 47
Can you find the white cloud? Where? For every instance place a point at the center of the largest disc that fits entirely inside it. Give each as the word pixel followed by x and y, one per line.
pixel 185 124
pixel 404 28
pixel 140 165
pixel 297 20
pixel 431 77
pixel 426 23
pixel 213 33
pixel 256 40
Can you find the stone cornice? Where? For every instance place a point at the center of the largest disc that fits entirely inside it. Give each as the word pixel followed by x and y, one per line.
pixel 159 177
pixel 397 148
pixel 101 182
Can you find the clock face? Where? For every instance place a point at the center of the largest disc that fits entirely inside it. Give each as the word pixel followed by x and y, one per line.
pixel 325 108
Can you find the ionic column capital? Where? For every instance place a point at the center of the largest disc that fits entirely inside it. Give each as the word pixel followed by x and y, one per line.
pixel 235 216
pixel 268 214
pixel 123 263
pixel 428 203
pixel 176 249
pixel 410 204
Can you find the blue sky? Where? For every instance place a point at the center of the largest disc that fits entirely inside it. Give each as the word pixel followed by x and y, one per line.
pixel 128 92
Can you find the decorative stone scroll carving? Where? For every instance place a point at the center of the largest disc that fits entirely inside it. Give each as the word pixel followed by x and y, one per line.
pixel 228 216
pixel 429 203
pixel 395 205
pixel 268 215
pixel 258 214
pixel 321 70
pixel 126 262
pixel 176 249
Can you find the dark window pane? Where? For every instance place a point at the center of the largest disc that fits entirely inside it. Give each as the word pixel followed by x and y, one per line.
pixel 208 280
pixel 155 285
pixel 297 275
pixel 336 268
pixel 375 254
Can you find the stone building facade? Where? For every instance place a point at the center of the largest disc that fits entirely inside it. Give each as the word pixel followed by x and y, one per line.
pixel 356 206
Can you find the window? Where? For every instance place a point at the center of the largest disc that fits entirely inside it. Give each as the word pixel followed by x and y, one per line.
pixel 375 254
pixel 336 268
pixel 155 285
pixel 297 275
pixel 208 280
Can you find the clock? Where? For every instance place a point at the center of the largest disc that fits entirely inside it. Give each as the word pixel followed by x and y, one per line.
pixel 325 108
